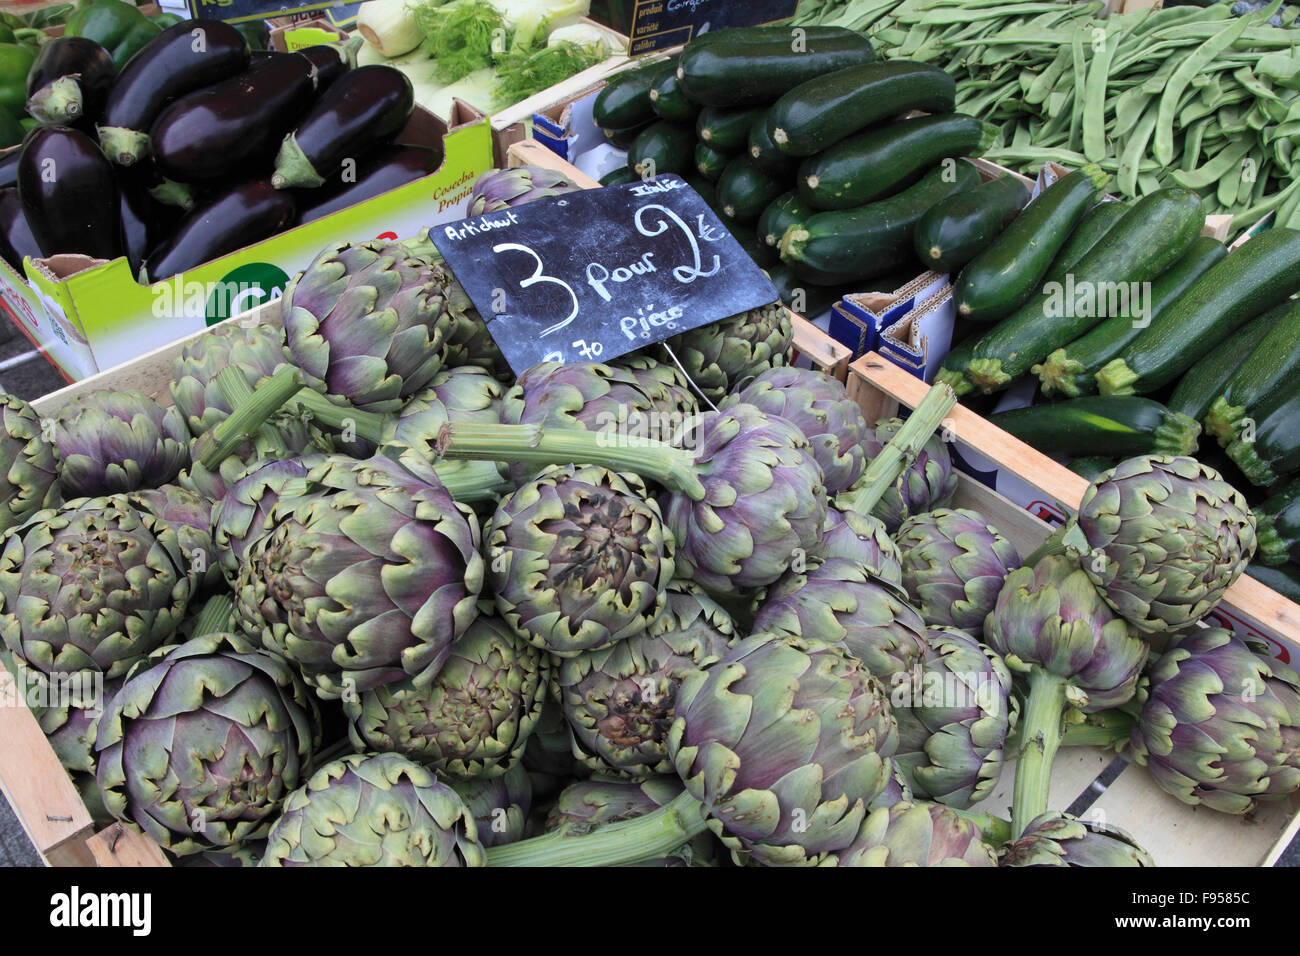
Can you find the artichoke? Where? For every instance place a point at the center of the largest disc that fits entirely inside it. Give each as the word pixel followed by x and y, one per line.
pixel 200 748
pixel 466 394
pixel 473 720
pixel 118 441
pixel 366 576
pixel 1220 722
pixel 70 728
pixel 366 322
pixel 374 810
pixel 619 701
pixel 94 586
pixel 29 482
pixel 1058 839
pixel 499 805
pixel 467 341
pixel 190 516
pixel 1050 622
pixel 862 539
pixel 954 563
pixel 726 355
pixel 499 189
pixel 548 753
pixel 953 718
pixel 910 834
pixel 1162 538
pixel 819 407
pixel 839 602
pixel 927 482
pixel 578 559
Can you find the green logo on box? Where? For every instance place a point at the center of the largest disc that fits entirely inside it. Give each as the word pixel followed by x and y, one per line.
pixel 244 288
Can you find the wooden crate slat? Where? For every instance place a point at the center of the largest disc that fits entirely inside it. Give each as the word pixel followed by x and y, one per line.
pixel 118 845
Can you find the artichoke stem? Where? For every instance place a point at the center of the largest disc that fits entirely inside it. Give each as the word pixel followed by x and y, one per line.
pixel 469 482
pixel 367 425
pixel 1040 737
pixel 1107 729
pixel 644 838
pixel 532 444
pixel 215 616
pixel 995 830
pixel 884 469
pixel 222 441
pixel 1055 544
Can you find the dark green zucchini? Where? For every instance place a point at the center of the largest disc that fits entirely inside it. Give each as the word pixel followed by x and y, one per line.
pixel 872 240
pixel 1096 222
pixel 1003 277
pixel 781 213
pixel 1284 579
pixel 624 102
pixel 1153 235
pixel 1262 273
pixel 624 138
pixel 1122 425
pixel 662 147
pixel 1277 525
pixel 1072 370
pixel 955 230
pixel 804 297
pixel 1273 450
pixel 1274 360
pixel 744 190
pixel 710 162
pixel 764 152
pixel 764 256
pixel 618 176
pixel 1092 467
pixel 727 130
pixel 821 112
pixel 754 66
pixel 668 99
pixel 879 162
pixel 1203 381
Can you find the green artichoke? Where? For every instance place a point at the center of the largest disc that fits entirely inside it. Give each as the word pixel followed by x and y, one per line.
pixel 819 407
pixel 863 539
pixel 364 575
pixel 366 322
pixel 190 516
pixel 548 752
pixel 954 563
pixel 916 834
pixel 619 701
pixel 70 728
pixel 928 481
pixel 499 189
pixel 29 482
pixel 467 341
pixel 118 441
pixel 466 394
pixel 374 810
pixel 578 559
pixel 785 742
pixel 841 603
pixel 473 720
pixel 94 586
pixel 1058 839
pixel 726 355
pixel 1162 538
pixel 200 748
pixel 499 805
pixel 1220 722
pixel 953 717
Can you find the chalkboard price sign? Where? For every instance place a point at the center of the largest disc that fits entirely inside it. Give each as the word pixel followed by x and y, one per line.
pixel 592 275
pixel 659 24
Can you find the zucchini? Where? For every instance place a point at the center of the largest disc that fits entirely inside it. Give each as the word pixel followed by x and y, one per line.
pixel 1204 380
pixel 1277 525
pixel 727 130
pixel 1003 277
pixel 1274 361
pixel 855 244
pixel 754 66
pixel 953 231
pixel 662 147
pixel 623 138
pixel 1092 467
pixel 709 161
pixel 1275 448
pixel 1153 235
pixel 803 297
pixel 624 102
pixel 618 176
pixel 1262 273
pixel 781 213
pixel 825 110
pixel 1096 222
pixel 1071 370
pixel 763 255
pixel 1124 425
pixel 744 190
pixel 764 152
pixel 1284 579
pixel 669 101
pixel 879 162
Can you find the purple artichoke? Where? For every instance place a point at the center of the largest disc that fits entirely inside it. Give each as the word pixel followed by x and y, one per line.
pixel 728 354
pixel 924 834
pixel 1057 839
pixel 29 480
pixel 954 563
pixel 499 189
pixel 190 516
pixel 861 539
pixel 925 484
pixel 118 441
pixel 499 805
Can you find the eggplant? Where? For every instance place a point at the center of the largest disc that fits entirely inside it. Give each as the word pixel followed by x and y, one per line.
pixel 330 61
pixel 234 125
pixel 16 239
pixel 246 213
pixel 185 57
pixel 387 169
pixel 69 194
pixel 364 108
pixel 145 220
pixel 9 168
pixel 70 79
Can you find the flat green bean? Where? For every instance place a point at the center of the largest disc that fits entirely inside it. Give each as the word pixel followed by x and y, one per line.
pixel 1094 98
pixel 1134 150
pixel 1227 159
pixel 1194 62
pixel 1080 81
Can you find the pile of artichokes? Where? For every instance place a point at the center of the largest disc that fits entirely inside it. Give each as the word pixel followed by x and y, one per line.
pixel 350 593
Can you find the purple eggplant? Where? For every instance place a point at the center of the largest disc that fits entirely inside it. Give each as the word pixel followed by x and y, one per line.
pixel 145 220
pixel 379 172
pixel 364 108
pixel 185 57
pixel 70 79
pixel 16 239
pixel 233 126
pixel 9 168
pixel 330 61
pixel 244 214
pixel 69 194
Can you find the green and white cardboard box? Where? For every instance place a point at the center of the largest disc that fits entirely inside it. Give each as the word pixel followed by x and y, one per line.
pixel 89 315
